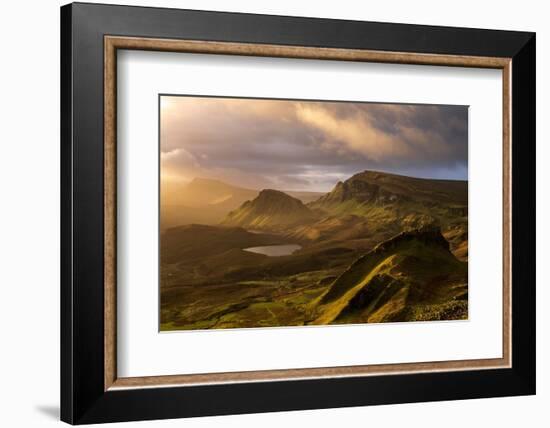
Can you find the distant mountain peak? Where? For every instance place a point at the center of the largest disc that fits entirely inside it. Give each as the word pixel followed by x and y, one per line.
pixel 270 194
pixel 270 210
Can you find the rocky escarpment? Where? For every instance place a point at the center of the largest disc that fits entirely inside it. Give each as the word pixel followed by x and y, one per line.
pixel 372 187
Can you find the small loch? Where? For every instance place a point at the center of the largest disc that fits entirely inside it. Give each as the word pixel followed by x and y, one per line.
pixel 275 250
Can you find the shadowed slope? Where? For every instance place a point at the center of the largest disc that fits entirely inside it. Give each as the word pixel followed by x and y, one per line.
pixel 410 277
pixel 194 241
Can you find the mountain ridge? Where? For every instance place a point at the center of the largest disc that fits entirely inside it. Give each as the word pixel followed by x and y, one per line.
pixel 407 277
pixel 386 188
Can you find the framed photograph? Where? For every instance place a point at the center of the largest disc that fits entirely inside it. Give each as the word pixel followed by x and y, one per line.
pixel 266 213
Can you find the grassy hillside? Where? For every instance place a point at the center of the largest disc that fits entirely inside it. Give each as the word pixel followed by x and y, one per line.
pixel 385 188
pixel 270 210
pixel 388 204
pixel 190 242
pixel 411 277
pixel 208 281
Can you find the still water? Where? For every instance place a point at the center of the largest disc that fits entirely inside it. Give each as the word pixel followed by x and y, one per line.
pixel 275 250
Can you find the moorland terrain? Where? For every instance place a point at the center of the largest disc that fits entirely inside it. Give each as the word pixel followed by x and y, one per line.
pixel 378 247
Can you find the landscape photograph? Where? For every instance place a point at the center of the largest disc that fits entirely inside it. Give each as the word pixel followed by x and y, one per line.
pixel 284 213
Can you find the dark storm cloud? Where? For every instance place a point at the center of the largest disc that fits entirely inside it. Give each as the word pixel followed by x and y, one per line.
pixel 309 145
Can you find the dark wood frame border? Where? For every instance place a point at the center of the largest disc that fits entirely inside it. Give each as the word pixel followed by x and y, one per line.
pixel 91 391
pixel 114 43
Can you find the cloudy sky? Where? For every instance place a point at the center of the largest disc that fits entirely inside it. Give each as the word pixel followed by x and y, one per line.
pixel 304 145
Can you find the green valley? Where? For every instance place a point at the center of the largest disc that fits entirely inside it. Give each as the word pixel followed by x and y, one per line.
pixel 378 247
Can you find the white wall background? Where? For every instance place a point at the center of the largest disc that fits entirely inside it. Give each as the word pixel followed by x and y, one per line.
pixel 29 215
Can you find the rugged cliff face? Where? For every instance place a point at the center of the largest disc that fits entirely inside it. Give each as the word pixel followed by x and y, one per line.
pixel 382 205
pixel 371 187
